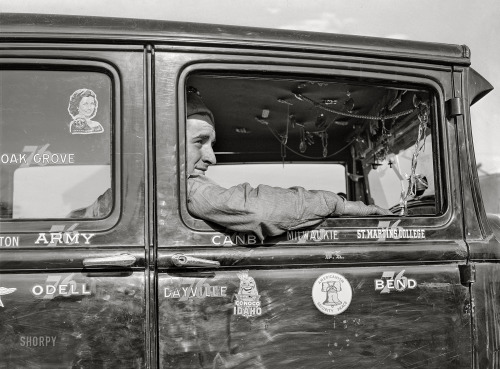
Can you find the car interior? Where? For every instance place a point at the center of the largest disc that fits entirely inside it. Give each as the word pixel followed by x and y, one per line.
pixel 379 132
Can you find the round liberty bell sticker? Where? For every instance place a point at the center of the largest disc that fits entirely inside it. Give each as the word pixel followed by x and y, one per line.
pixel 332 293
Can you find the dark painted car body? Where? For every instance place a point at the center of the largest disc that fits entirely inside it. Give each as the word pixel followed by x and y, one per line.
pixel 66 305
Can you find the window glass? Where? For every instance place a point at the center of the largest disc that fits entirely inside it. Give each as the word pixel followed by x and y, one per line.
pixel 391 178
pixel 55 148
pixel 369 139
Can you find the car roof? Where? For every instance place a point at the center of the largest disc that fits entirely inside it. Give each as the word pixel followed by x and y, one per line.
pixel 89 29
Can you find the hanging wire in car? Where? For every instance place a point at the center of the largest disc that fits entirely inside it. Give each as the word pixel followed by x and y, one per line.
pixel 324 142
pixel 415 179
pixel 279 138
pixel 284 138
pixel 307 137
pixel 352 115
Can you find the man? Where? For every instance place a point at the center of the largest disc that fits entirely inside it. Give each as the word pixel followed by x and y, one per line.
pixel 264 210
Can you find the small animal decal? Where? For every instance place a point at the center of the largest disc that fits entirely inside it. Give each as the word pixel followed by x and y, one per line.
pixel 5 291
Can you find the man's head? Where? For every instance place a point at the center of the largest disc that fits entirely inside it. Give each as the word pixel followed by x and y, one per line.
pixel 200 135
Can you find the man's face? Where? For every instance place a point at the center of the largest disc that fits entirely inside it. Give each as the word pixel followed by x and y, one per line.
pixel 200 137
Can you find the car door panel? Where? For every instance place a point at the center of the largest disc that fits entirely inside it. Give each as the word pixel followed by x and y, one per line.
pixel 73 320
pixel 75 290
pixel 203 320
pixel 204 324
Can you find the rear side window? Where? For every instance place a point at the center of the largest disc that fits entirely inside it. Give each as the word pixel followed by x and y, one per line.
pixel 55 144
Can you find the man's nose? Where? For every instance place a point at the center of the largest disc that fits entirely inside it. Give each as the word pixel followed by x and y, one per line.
pixel 209 155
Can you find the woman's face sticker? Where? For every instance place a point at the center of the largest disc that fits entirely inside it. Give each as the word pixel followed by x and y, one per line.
pixel 82 110
pixel 87 106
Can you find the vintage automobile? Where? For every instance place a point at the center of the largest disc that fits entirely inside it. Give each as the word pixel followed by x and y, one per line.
pixel 95 108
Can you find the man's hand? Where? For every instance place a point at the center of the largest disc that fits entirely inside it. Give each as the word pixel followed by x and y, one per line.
pixel 359 208
pixel 377 210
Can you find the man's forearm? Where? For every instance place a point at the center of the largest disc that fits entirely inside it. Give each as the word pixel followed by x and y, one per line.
pixel 268 211
pixel 265 210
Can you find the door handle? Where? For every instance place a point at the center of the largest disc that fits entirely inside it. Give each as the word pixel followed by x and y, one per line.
pixel 122 260
pixel 181 260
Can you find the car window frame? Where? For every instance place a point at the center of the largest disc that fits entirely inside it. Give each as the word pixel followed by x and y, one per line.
pixel 437 221
pixel 92 224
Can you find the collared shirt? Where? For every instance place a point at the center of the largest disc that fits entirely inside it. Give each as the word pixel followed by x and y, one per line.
pixel 264 210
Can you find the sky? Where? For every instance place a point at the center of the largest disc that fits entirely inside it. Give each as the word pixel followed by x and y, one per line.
pixel 473 23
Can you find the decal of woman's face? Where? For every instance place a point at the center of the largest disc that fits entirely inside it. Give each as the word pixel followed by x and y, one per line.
pixel 87 106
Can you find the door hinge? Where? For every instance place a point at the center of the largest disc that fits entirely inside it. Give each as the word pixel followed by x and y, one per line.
pixel 454 107
pixel 467 274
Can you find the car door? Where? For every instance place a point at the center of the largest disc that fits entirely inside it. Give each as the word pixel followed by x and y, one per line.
pixel 483 226
pixel 73 282
pixel 374 292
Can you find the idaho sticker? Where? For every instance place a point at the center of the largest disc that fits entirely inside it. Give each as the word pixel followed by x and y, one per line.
pixel 247 300
pixel 332 293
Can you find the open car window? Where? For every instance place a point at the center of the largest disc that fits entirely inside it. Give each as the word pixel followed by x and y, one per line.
pixel 55 143
pixel 285 175
pixel 380 136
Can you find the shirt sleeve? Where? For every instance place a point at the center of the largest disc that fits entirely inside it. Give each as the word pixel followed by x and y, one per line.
pixel 98 209
pixel 264 210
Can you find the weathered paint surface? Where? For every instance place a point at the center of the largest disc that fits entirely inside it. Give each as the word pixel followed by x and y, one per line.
pixel 424 327
pixel 486 298
pixel 97 321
